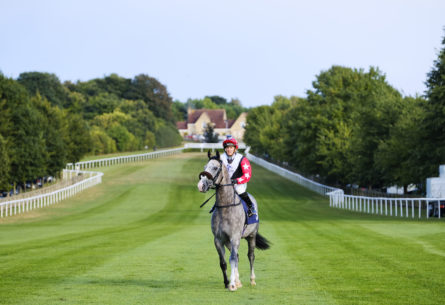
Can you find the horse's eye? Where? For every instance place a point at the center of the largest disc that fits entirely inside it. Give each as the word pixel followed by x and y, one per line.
pixel 215 168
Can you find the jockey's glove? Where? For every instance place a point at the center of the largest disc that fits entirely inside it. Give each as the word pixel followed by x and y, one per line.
pixel 234 181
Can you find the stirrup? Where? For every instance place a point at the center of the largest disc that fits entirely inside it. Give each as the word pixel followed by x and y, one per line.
pixel 251 212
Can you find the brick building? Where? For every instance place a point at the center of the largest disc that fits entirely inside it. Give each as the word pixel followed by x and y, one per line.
pixel 198 119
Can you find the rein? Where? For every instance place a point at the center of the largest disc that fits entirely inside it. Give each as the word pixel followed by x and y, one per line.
pixel 221 206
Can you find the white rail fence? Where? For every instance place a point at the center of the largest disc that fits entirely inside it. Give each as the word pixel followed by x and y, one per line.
pixel 397 207
pixel 123 159
pixel 19 206
pixel 299 179
pixel 211 146
pixel 23 205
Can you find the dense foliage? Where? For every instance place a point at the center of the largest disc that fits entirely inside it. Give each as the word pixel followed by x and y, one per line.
pixel 354 128
pixel 44 124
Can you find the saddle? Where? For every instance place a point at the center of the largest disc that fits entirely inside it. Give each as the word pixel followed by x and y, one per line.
pixel 248 220
pixel 252 219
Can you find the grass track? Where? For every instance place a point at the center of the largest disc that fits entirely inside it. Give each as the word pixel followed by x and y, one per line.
pixel 140 238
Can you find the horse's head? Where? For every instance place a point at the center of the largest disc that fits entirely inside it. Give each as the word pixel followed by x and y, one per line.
pixel 211 176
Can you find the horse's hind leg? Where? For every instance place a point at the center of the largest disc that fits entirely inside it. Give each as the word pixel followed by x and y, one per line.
pixel 222 262
pixel 251 255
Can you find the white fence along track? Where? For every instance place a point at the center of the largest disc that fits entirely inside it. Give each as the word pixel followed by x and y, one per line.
pixel 18 206
pixel 211 146
pixel 299 179
pixel 123 159
pixel 397 207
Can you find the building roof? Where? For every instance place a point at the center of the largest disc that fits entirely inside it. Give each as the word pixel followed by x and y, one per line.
pixel 230 123
pixel 216 116
pixel 181 125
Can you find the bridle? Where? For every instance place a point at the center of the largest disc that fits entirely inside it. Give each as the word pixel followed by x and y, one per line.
pixel 216 186
pixel 210 176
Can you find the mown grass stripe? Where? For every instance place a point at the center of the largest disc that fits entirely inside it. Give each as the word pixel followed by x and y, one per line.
pixel 140 238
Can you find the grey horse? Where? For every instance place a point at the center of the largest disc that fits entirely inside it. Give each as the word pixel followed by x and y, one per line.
pixel 228 220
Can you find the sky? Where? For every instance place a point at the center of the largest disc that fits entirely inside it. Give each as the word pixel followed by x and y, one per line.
pixel 251 50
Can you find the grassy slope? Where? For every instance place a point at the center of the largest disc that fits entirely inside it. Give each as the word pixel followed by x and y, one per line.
pixel 140 238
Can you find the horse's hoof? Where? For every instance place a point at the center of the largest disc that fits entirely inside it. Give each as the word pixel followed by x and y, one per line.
pixel 232 287
pixel 252 283
pixel 239 285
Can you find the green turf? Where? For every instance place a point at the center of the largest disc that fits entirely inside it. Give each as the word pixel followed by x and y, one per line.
pixel 140 238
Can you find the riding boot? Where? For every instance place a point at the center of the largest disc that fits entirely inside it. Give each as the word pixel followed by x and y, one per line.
pixel 251 209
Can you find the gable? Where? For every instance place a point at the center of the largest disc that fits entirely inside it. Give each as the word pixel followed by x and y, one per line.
pixel 216 116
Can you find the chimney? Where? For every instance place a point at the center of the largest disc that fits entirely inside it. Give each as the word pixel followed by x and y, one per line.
pixel 189 112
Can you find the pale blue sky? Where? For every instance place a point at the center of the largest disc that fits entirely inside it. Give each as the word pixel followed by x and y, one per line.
pixel 248 49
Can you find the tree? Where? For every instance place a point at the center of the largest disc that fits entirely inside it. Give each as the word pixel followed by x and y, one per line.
pixel 257 119
pixel 300 129
pixel 150 140
pixel 233 108
pixel 210 135
pixel 125 141
pixel 46 84
pixel 379 110
pixel 99 104
pixel 336 132
pixel 4 165
pixel 78 137
pixel 179 111
pixel 167 135
pixel 22 132
pixel 153 93
pixel 114 84
pixel 218 100
pixel 273 133
pixel 141 118
pixel 433 146
pixel 397 157
pixel 53 130
pixel 205 103
pixel 101 142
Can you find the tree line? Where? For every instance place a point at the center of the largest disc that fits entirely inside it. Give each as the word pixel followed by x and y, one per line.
pixel 355 128
pixel 45 124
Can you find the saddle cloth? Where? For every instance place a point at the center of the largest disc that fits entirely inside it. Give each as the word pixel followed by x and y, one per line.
pixel 252 219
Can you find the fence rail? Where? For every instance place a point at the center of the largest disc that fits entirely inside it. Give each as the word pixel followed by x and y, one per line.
pixel 18 206
pixel 123 159
pixel 396 207
pixel 299 179
pixel 211 146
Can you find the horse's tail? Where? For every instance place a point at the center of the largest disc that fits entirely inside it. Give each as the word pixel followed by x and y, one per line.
pixel 261 242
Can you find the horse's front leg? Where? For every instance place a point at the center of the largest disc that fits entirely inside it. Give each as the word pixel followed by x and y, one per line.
pixel 222 262
pixel 234 275
pixel 237 280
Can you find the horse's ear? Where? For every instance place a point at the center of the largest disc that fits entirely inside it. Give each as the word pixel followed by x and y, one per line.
pixel 217 155
pixel 209 154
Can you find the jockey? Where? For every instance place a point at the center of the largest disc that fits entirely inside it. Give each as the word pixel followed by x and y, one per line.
pixel 239 170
